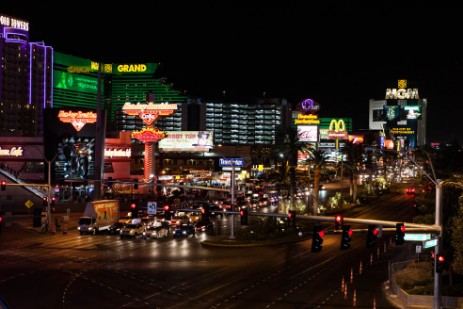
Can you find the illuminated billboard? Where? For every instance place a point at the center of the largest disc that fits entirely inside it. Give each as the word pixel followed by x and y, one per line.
pixel 187 141
pixel 391 113
pixel 307 133
pixel 411 111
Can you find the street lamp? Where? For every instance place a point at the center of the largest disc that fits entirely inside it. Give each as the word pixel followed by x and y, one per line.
pixel 49 162
pixel 437 222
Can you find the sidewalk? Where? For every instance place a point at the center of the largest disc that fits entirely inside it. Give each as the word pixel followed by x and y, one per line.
pixel 26 221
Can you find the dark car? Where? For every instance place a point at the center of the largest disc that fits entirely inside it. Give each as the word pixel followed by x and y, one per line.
pixel 184 231
pixel 204 226
pixel 115 228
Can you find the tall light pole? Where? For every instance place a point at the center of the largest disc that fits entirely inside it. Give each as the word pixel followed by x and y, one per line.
pixel 437 223
pixel 49 162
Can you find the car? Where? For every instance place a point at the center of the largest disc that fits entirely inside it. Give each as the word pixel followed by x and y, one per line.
pixel 410 190
pixel 179 220
pixel 204 226
pixel 195 216
pixel 132 230
pixel 184 231
pixel 155 232
pixel 115 228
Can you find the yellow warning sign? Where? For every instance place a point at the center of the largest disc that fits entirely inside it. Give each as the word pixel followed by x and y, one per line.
pixel 28 204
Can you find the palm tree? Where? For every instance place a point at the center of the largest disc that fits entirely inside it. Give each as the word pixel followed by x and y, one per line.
pixel 353 154
pixel 318 159
pixel 288 150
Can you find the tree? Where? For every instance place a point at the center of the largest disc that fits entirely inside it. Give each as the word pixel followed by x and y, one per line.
pixel 353 154
pixel 318 159
pixel 288 150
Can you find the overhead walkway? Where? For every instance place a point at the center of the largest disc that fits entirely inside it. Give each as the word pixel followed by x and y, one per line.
pixel 33 189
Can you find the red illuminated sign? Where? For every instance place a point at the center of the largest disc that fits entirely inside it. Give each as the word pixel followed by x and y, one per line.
pixel 148 135
pixel 77 119
pixel 149 112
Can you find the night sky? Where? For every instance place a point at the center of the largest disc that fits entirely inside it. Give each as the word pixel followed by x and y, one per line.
pixel 340 53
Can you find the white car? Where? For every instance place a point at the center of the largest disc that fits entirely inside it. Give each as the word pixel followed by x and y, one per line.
pixel 155 232
pixel 132 230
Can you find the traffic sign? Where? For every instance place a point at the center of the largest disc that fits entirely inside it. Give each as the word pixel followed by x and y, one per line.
pixel 417 237
pixel 152 208
pixel 430 243
pixel 28 204
pixel 238 162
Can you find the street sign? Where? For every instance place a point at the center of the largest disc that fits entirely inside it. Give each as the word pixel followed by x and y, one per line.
pixel 152 208
pixel 229 168
pixel 237 162
pixel 417 237
pixel 430 243
pixel 28 204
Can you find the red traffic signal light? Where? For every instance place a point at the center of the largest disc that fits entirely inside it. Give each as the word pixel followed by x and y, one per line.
pixel 3 184
pixel 317 238
pixel 44 201
pixel 346 237
pixel 133 205
pixel 399 234
pixel 440 258
pixel 244 216
pixel 338 222
pixel 441 264
pixel 372 235
pixel 166 207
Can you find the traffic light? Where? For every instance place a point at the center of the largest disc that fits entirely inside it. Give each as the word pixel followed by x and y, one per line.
pixel 44 201
pixel 135 184
pixel 244 216
pixel 206 213
pixel 317 238
pixel 372 235
pixel 338 222
pixel 134 208
pixel 53 201
pixel 346 237
pixel 441 264
pixel 292 218
pixel 3 184
pixel 167 213
pixel 399 234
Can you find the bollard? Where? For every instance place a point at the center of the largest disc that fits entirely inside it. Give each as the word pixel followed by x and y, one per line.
pixel 65 229
pixel 53 229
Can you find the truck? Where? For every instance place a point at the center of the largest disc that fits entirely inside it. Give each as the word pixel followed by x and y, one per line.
pixel 98 216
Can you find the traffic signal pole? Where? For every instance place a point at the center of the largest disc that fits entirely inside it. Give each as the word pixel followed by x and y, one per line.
pixel 232 203
pixel 438 222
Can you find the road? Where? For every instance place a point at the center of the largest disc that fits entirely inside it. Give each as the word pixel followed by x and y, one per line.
pixel 75 271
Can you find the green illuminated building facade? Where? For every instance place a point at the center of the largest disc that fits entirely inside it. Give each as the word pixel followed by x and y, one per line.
pixel 76 84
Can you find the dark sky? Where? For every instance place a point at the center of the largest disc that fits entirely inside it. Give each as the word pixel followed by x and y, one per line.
pixel 340 53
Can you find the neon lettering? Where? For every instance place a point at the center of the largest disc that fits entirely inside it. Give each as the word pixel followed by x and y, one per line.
pixel 402 94
pixel 131 68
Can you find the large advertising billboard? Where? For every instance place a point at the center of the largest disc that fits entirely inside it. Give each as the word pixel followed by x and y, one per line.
pixel 187 141
pixel 307 133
